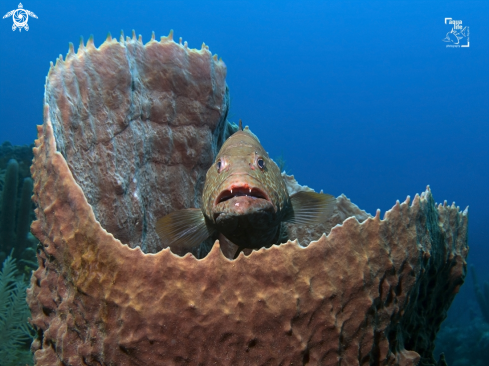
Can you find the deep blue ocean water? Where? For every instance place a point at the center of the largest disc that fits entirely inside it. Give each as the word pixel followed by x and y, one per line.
pixel 360 97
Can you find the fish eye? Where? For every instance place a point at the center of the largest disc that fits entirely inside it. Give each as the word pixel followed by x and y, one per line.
pixel 261 163
pixel 219 164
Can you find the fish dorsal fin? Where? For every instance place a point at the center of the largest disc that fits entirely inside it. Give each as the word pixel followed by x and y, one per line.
pixel 310 208
pixel 183 228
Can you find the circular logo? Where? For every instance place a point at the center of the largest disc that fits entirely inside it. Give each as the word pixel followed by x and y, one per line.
pixel 20 17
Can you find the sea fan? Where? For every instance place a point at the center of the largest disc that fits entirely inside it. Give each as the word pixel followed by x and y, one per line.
pixel 15 331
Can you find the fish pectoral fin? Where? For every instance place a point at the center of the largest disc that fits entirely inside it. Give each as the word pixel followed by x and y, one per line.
pixel 310 208
pixel 183 228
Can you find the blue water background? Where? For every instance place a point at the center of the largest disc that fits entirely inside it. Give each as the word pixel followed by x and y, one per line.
pixel 361 98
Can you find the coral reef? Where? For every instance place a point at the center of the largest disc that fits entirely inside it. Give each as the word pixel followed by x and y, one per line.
pixel 464 344
pixel 15 331
pixel 464 336
pixel 371 292
pixel 482 296
pixel 21 153
pixel 7 216
pixel 16 209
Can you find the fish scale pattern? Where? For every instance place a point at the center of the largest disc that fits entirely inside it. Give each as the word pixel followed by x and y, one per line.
pixel 368 293
pixel 270 179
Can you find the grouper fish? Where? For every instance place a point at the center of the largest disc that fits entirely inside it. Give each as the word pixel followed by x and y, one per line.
pixel 245 199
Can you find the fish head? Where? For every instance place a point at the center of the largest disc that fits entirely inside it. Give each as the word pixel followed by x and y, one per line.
pixel 244 187
pixel 245 199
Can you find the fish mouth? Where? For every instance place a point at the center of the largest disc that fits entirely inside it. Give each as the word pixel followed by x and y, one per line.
pixel 253 193
pixel 249 198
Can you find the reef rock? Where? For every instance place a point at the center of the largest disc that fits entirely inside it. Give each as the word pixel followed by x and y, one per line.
pixel 369 293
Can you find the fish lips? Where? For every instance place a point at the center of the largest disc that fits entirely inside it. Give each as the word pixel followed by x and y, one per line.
pixel 244 212
pixel 242 201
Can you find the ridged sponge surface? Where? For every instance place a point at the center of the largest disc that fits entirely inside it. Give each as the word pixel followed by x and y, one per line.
pixel 139 125
pixel 369 293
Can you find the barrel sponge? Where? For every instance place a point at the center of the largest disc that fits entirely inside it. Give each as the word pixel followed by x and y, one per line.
pixel 139 125
pixel 366 293
pixel 370 292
